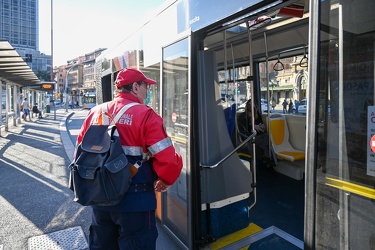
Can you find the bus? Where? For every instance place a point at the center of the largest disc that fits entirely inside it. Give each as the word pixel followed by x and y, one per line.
pixel 215 55
pixel 89 100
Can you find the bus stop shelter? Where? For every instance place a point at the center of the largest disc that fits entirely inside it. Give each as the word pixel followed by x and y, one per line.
pixel 15 74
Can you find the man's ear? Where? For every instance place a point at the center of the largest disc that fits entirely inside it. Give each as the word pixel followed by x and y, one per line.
pixel 135 86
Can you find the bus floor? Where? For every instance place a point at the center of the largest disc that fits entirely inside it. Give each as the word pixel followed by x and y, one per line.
pixel 280 204
pixel 276 220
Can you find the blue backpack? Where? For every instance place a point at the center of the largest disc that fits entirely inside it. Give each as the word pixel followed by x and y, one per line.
pixel 101 174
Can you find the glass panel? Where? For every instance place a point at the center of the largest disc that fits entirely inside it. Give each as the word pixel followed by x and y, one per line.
pixel 153 72
pixel 175 96
pixel 346 108
pixel 12 95
pixel 3 103
pixel 288 79
pixel 237 89
pixel 290 83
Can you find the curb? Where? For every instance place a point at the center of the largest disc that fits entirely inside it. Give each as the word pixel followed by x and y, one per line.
pixel 65 137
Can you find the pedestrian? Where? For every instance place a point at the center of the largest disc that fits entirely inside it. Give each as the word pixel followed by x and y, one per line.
pixel 273 104
pixel 131 224
pixel 26 109
pixel 290 106
pixel 285 104
pixel 37 111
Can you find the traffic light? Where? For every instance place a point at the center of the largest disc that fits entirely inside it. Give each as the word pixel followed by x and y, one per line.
pixel 29 58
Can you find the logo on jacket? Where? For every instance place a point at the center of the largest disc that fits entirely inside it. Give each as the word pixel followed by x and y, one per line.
pixel 126 119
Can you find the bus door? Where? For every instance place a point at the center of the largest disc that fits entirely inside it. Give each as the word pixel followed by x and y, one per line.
pixel 341 111
pixel 226 181
pixel 196 208
pixel 240 197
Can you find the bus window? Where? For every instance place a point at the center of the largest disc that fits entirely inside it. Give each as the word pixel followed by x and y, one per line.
pixel 289 83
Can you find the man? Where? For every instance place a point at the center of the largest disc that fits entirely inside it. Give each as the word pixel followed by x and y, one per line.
pixel 131 224
pixel 290 110
pixel 285 104
pixel 261 138
pixel 26 109
pixel 37 111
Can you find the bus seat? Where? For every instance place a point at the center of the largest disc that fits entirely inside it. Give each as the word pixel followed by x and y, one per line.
pixel 279 134
pixel 238 137
pixel 230 116
pixel 245 156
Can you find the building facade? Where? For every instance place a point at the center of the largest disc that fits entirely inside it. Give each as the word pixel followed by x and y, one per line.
pixel 287 79
pixel 19 24
pixel 76 77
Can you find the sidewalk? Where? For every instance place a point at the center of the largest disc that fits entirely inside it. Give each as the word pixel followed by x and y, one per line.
pixel 34 196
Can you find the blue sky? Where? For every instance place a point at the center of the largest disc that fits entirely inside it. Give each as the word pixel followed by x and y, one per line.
pixel 82 26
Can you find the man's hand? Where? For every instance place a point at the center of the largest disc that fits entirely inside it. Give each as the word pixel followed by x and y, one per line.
pixel 260 127
pixel 160 186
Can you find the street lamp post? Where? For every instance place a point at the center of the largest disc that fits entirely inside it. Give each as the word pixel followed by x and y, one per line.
pixel 67 86
pixel 273 84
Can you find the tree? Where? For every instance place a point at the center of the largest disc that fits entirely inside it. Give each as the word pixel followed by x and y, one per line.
pixel 43 75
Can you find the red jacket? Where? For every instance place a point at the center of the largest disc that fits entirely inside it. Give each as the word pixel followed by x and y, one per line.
pixel 141 129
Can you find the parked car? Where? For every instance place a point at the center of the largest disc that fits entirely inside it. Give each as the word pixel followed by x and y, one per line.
pixel 263 103
pixel 55 103
pixel 302 108
pixel 265 106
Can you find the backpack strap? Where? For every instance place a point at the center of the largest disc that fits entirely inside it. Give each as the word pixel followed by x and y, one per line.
pixel 134 168
pixel 106 118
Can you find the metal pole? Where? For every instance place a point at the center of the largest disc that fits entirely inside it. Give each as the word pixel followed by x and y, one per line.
pixel 66 85
pixel 66 89
pixel 251 76
pixel 343 159
pixel 268 92
pixel 226 68
pixel 52 78
pixel 310 161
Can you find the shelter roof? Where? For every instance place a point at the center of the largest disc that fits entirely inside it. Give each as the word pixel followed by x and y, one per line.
pixel 13 68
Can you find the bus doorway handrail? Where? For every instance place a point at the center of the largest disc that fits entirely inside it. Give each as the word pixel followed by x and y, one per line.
pixel 231 153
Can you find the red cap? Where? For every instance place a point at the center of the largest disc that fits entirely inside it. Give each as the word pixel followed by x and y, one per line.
pixel 129 76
